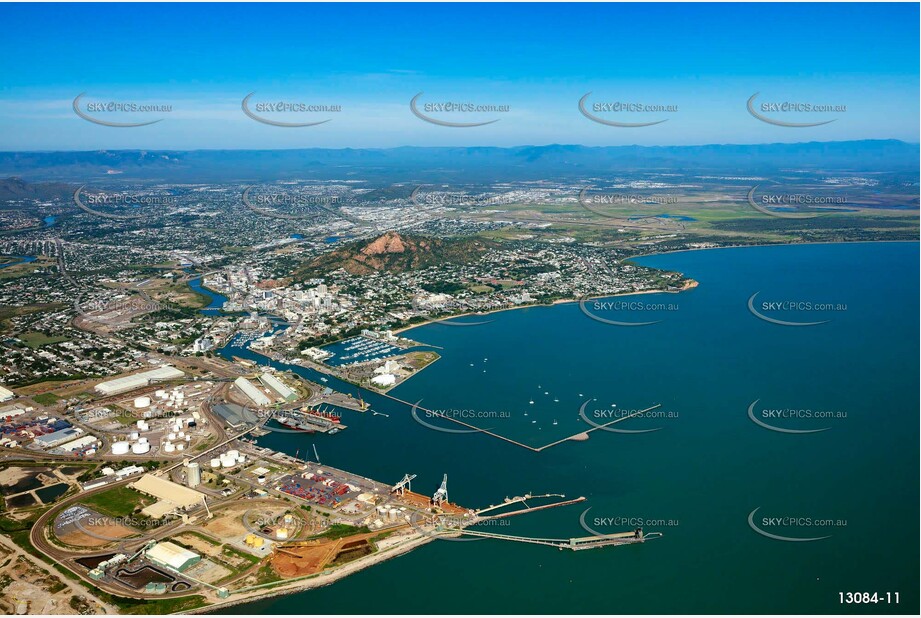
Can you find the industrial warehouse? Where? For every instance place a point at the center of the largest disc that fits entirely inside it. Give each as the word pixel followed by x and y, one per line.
pixel 171 497
pixel 138 380
pixel 172 556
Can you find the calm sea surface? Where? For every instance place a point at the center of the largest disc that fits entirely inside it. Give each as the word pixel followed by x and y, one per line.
pixel 698 478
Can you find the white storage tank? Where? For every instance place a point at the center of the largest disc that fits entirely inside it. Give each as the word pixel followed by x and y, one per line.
pixel 134 435
pixel 140 448
pixel 142 402
pixel 169 447
pixel 233 453
pixel 142 440
pixel 180 447
pixel 215 463
pixel 188 438
pixel 120 448
pixel 171 436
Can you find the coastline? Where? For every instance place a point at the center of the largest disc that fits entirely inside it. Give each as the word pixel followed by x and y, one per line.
pixel 346 570
pixel 689 284
pixel 317 581
pixel 773 244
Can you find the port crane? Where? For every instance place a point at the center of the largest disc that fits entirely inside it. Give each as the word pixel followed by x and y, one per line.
pixel 441 496
pixel 404 484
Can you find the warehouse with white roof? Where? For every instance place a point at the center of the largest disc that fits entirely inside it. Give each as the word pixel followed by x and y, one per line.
pixel 171 497
pixel 252 391
pixel 278 386
pixel 172 556
pixel 138 380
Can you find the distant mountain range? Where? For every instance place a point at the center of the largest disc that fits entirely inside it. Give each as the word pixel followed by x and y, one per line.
pixel 454 164
pixel 15 189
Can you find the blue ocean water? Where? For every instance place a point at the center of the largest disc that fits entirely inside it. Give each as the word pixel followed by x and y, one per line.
pixel 698 477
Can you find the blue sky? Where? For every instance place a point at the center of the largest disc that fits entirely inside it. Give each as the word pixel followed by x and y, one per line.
pixel 371 59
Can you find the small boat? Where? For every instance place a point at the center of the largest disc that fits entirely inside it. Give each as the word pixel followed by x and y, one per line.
pixel 323 380
pixel 531 402
pixel 554 421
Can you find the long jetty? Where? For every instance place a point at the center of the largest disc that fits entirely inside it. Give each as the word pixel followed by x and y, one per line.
pixel 575 544
pixel 535 449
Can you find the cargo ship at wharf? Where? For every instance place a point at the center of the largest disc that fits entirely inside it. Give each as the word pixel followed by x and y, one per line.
pixel 312 420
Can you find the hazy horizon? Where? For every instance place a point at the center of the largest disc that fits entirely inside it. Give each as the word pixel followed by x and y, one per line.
pixel 535 62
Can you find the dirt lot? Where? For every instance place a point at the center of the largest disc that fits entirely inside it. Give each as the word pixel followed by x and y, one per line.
pixel 83 527
pixel 229 521
pixel 27 588
pixel 313 556
pixel 200 545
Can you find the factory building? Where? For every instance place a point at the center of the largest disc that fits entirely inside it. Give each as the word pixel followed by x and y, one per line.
pixel 6 394
pixel 80 443
pixel 278 386
pixel 250 390
pixel 61 436
pixel 172 556
pixel 171 497
pixel 138 380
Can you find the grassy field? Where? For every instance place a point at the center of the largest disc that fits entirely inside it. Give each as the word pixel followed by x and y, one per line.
pixel 117 502
pixel 46 399
pixel 36 340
